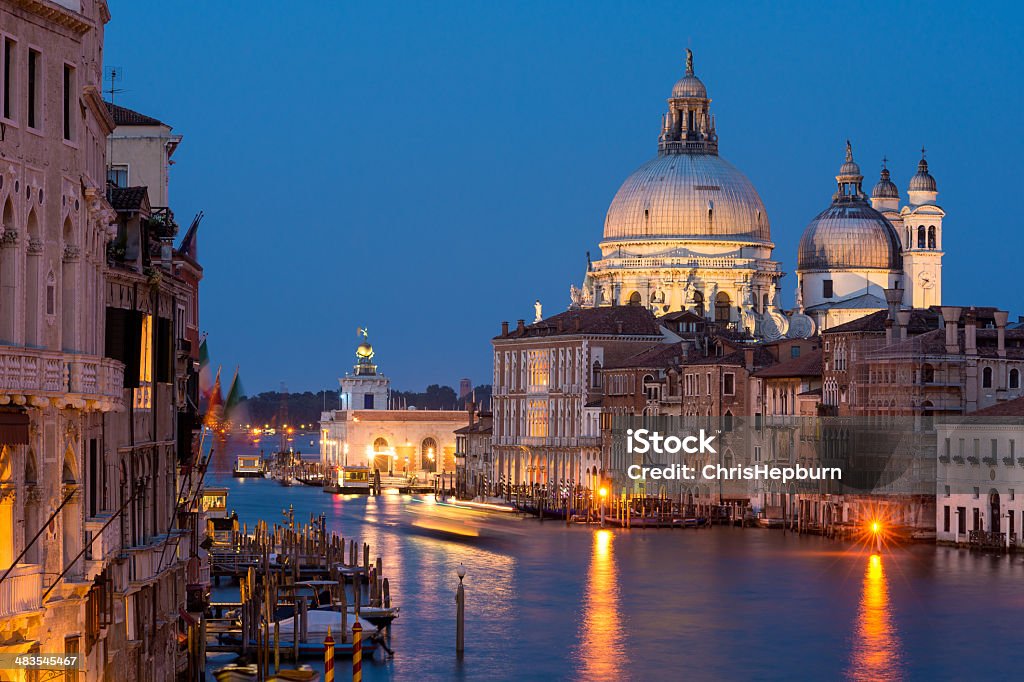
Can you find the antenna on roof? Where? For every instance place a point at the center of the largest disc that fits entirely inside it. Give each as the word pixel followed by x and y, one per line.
pixel 112 74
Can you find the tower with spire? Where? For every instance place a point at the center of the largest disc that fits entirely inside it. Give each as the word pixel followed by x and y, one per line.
pixel 922 240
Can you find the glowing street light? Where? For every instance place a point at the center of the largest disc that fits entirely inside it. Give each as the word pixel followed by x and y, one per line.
pixel 603 493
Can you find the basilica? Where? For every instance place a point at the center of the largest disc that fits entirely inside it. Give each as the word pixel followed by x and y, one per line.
pixel 687 231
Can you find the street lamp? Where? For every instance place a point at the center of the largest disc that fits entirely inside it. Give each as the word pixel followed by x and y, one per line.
pixel 603 493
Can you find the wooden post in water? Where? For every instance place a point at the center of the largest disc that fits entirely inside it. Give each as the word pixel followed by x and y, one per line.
pixel 277 647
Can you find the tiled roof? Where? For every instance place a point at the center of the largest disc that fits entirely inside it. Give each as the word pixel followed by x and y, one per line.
pixel 806 365
pixel 921 320
pixel 1007 408
pixel 762 358
pixel 656 356
pixel 123 116
pixel 127 198
pixel 483 425
pixel 615 320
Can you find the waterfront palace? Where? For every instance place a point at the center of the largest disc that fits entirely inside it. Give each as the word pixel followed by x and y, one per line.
pixel 682 316
pixel 99 346
pixel 366 431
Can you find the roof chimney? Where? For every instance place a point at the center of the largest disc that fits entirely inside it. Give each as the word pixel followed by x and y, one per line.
pixel 748 359
pixel 888 331
pixel 579 323
pixel 971 332
pixel 520 325
pixel 618 327
pixel 951 319
pixel 893 297
pixel 1001 316
pixel 504 328
pixel 471 408
pixel 902 321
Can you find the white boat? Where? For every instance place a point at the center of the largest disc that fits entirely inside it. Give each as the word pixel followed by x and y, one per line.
pixel 318 620
pixel 236 673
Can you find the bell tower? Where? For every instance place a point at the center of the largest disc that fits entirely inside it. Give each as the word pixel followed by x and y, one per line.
pixel 922 241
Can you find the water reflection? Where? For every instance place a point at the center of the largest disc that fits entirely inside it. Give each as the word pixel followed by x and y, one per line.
pixel 876 645
pixel 602 650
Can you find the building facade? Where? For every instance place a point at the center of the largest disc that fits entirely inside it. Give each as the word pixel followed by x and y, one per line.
pixel 548 387
pixel 365 432
pixel 96 413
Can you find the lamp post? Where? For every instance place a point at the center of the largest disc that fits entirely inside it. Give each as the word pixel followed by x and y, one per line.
pixel 603 493
pixel 460 612
pixel 956 533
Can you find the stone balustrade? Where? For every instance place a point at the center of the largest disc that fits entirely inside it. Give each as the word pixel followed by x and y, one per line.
pixel 36 377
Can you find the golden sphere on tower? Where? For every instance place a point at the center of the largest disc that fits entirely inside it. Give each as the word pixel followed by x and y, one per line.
pixel 365 350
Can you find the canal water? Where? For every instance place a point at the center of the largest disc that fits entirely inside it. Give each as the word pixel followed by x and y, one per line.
pixel 546 601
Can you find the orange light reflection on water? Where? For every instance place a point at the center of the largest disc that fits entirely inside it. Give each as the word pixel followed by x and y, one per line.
pixel 602 639
pixel 876 644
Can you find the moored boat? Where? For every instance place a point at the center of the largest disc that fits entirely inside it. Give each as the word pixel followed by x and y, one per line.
pixel 249 466
pixel 350 480
pixel 235 672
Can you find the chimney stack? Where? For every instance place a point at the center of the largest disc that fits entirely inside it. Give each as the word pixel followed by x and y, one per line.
pixel 748 359
pixel 504 328
pixel 902 322
pixel 618 327
pixel 1001 318
pixel 471 408
pixel 893 297
pixel 888 331
pixel 579 323
pixel 951 319
pixel 520 325
pixel 971 332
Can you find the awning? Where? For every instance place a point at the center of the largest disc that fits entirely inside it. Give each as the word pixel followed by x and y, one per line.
pixel 14 428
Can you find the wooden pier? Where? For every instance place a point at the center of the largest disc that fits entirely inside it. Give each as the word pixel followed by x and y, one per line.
pixel 294 581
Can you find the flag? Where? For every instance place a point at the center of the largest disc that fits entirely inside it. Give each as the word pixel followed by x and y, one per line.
pixel 214 405
pixel 205 383
pixel 234 396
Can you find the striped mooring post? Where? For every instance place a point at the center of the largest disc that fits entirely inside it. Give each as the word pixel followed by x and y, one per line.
pixel 328 656
pixel 357 652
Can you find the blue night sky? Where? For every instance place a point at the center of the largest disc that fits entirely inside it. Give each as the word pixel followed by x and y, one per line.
pixel 428 170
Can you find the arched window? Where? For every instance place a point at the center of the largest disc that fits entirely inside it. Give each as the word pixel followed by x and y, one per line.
pixel 764 303
pixel 1014 378
pixel 910 237
pixel 986 377
pixel 698 302
pixel 634 298
pixel 8 264
pixel 927 374
pixel 920 237
pixel 595 377
pixel 34 303
pixel 723 305
pixel 380 445
pixel 931 237
pixel 69 289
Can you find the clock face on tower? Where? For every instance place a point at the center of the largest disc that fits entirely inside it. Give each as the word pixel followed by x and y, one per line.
pixel 925 280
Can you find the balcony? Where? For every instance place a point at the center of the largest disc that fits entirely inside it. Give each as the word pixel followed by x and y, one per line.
pixel 143 562
pixel 104 544
pixel 21 591
pixel 40 377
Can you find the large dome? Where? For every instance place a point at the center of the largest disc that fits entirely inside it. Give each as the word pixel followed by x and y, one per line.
pixel 691 196
pixel 850 236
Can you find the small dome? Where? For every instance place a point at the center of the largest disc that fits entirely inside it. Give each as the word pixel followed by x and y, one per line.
pixel 922 180
pixel 849 167
pixel 886 188
pixel 849 236
pixel 689 86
